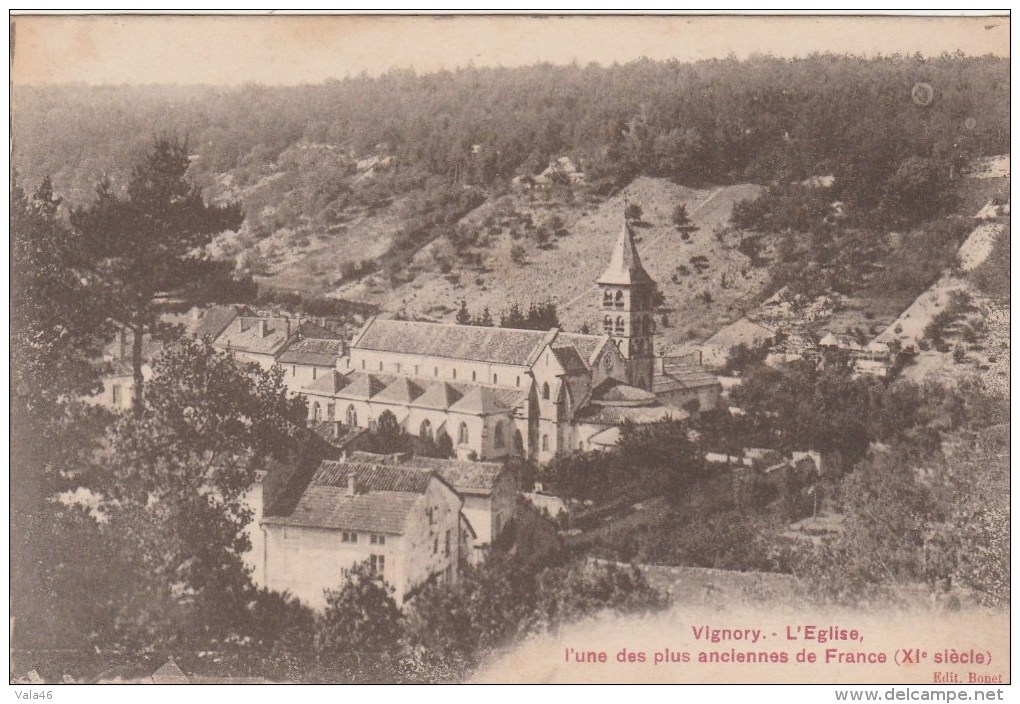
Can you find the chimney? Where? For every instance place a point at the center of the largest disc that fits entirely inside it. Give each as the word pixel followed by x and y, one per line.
pixel 351 484
pixel 263 327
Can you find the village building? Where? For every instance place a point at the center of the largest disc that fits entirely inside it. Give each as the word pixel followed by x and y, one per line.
pixel 499 392
pixel 682 382
pixel 403 521
pixel 715 351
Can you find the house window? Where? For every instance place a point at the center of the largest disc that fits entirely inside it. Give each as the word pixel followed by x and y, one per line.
pixel 362 364
pixel 293 370
pixel 545 443
pixel 117 395
pixel 580 445
pixel 425 430
pixel 416 370
pixel 435 546
pixel 435 372
pixel 545 390
pixel 447 543
pixel 495 379
pixel 347 537
pixel 331 411
pixel 430 512
pixel 352 416
pixel 474 376
pixel 462 434
pixel 316 412
pixel 378 563
pixel 499 441
pixel 314 372
pixel 397 366
pixel 376 539
pixel 518 381
pixel 380 365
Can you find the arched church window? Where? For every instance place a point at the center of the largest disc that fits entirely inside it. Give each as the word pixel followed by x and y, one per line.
pixel 462 434
pixel 619 299
pixel 425 431
pixel 352 416
pixel 545 390
pixel 607 299
pixel 500 441
pixel 607 323
pixel 619 324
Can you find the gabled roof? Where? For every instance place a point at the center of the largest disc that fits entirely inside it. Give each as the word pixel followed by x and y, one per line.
pixel 740 332
pixel 363 386
pixel 480 401
pixel 314 331
pixel 214 320
pixel 328 384
pixel 372 477
pixel 465 476
pixel 438 395
pixel 615 393
pixel 245 334
pixel 169 673
pixel 468 342
pixel 569 359
pixel 597 414
pixel 625 265
pixel 385 497
pixel 401 390
pixel 588 346
pixel 314 352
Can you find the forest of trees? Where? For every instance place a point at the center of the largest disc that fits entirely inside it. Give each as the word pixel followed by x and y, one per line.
pixel 763 119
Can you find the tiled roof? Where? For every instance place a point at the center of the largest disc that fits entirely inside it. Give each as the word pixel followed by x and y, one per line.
pixel 625 264
pixel 401 390
pixel 617 415
pixel 364 386
pixel 587 345
pixel 316 352
pixel 480 401
pixel 438 395
pixel 468 342
pixel 245 334
pixel 385 496
pixel 464 476
pixel 214 321
pixel 312 330
pixel 372 477
pixel 328 383
pixel 330 507
pixel 743 332
pixel 569 358
pixel 613 392
pixel 687 378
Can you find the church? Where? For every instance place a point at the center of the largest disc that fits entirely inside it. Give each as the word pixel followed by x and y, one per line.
pixel 499 392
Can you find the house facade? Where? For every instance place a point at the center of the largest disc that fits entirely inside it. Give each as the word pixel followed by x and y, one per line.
pixel 403 521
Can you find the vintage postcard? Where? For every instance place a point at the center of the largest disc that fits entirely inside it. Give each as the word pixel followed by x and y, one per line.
pixel 511 349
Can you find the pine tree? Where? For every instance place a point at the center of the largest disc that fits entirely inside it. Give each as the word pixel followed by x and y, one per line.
pixel 146 249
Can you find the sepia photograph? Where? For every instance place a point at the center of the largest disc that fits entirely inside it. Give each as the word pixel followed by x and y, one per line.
pixel 510 349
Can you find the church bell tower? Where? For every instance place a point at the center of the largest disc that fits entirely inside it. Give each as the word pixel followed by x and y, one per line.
pixel 627 295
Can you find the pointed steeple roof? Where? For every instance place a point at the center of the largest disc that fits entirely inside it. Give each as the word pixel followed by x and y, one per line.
pixel 625 265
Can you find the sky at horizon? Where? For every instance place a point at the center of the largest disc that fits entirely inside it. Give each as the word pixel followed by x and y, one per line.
pixel 292 49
